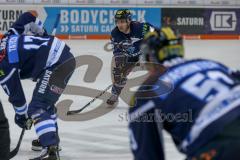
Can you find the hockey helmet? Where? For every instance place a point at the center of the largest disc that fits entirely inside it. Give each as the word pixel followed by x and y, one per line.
pixel 162 45
pixel 123 14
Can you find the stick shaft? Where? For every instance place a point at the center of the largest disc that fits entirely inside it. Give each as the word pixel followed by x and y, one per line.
pixel 14 152
pixel 86 105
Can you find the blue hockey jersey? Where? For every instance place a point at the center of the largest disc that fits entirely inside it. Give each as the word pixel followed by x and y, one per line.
pixel 23 55
pixel 193 101
pixel 27 57
pixel 129 44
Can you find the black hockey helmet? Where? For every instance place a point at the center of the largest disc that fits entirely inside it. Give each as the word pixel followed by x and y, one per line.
pixel 162 45
pixel 123 14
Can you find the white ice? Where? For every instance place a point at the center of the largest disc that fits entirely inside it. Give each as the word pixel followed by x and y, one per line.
pixel 106 137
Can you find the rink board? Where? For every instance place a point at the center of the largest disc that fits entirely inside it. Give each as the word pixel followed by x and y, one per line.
pixel 87 22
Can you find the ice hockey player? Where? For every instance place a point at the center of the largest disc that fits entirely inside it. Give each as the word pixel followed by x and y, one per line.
pixel 28 23
pixel 39 58
pixel 200 109
pixel 4 134
pixel 126 38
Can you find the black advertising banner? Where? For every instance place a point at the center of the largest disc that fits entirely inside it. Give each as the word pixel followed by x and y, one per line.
pixel 196 21
pixel 185 20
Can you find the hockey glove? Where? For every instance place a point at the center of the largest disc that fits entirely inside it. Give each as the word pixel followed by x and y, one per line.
pixel 21 117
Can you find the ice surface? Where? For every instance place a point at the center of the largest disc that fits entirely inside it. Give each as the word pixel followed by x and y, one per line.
pixel 106 137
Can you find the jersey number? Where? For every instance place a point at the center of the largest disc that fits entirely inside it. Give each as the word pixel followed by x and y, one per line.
pixel 207 86
pixel 33 42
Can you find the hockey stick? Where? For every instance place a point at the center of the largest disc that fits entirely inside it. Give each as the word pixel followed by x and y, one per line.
pixel 81 109
pixel 14 152
pixel 56 24
pixel 28 126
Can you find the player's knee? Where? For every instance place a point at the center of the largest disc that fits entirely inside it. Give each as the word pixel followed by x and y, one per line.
pixel 120 81
pixel 37 108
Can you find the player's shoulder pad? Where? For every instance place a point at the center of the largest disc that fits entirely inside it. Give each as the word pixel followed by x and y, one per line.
pixel 116 35
pixel 115 32
pixel 212 61
pixel 136 25
pixel 143 27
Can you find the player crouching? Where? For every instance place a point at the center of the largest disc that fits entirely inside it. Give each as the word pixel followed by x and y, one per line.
pixel 206 91
pixel 47 61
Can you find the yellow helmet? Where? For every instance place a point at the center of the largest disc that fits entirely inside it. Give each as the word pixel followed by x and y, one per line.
pixel 163 45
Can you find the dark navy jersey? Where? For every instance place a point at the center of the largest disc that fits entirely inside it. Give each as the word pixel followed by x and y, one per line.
pixel 20 57
pixel 129 43
pixel 27 57
pixel 194 101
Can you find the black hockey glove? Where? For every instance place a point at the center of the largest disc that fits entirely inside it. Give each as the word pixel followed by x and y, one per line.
pixel 23 122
